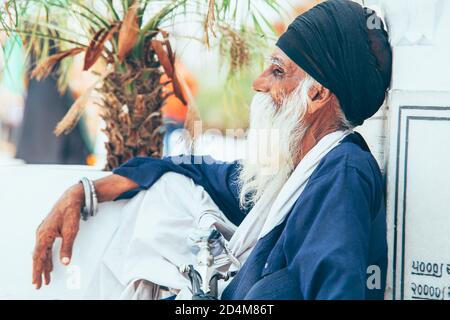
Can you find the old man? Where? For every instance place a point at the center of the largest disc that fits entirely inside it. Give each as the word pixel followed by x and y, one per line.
pixel 312 228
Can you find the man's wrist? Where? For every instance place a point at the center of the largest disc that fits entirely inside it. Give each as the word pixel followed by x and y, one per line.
pixel 77 193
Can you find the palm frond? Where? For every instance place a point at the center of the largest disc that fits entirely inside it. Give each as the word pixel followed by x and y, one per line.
pixel 41 22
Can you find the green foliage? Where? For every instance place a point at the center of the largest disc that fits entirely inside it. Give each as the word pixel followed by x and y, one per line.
pixel 226 106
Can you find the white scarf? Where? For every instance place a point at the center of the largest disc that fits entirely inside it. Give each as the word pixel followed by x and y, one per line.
pixel 271 211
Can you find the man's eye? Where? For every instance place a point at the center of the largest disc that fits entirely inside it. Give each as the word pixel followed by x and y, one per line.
pixel 277 72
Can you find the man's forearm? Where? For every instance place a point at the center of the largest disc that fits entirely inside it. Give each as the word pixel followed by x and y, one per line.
pixel 109 188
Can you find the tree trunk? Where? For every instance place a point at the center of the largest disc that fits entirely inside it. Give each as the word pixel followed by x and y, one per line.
pixel 132 99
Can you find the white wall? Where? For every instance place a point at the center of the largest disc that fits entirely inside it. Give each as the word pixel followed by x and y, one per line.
pixel 27 194
pixel 417 149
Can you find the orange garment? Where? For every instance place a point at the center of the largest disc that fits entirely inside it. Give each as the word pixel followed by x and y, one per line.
pixel 173 107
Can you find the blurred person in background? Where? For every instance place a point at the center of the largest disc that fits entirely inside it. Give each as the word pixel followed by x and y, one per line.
pixel 175 112
pixel 45 106
pixel 305 5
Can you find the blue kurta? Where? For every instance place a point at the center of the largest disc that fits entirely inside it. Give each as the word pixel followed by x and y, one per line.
pixel 334 233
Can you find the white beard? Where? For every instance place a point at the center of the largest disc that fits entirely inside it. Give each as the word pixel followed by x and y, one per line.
pixel 274 138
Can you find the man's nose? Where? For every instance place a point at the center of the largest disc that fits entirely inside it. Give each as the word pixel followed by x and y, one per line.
pixel 261 84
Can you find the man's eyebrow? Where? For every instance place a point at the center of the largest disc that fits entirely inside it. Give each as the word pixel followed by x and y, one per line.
pixel 276 61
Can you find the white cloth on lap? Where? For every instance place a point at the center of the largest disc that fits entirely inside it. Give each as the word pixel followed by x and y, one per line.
pixel 152 240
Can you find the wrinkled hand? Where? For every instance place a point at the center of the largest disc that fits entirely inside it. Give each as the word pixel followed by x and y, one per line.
pixel 63 221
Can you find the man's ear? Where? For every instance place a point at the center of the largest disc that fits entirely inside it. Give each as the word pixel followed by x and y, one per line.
pixel 319 97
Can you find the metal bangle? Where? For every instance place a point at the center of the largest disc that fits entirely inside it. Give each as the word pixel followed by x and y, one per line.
pixel 87 208
pixel 94 199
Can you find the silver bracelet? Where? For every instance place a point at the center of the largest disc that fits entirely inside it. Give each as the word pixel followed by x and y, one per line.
pixel 94 199
pixel 90 207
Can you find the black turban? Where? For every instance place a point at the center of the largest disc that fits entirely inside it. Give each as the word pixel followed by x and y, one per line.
pixel 337 43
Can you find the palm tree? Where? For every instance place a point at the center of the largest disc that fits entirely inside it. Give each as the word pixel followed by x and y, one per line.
pixel 130 36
